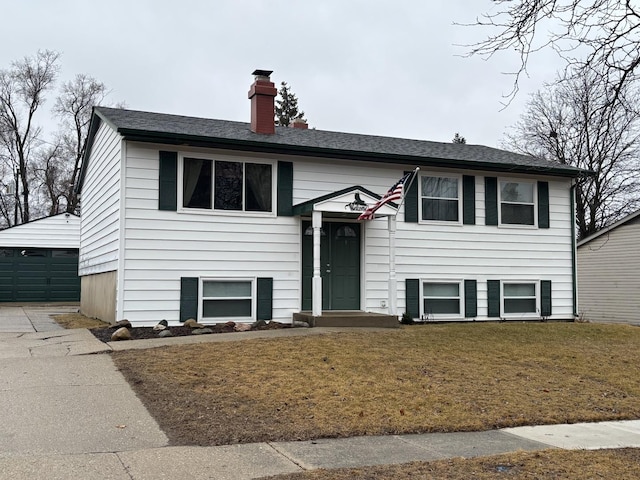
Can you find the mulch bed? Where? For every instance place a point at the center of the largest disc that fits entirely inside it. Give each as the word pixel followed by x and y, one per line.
pixel 144 333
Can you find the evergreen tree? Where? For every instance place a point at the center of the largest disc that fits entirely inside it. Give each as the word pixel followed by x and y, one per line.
pixel 457 138
pixel 287 106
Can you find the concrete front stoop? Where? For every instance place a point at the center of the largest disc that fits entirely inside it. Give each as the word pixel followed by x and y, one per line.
pixel 337 318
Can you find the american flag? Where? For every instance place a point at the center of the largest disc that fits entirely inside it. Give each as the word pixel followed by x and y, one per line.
pixel 392 195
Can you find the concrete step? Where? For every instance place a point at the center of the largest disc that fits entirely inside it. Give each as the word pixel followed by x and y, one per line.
pixel 348 319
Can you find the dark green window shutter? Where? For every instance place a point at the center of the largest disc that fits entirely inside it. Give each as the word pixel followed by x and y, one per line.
pixel 491 200
pixel 493 298
pixel 285 189
pixel 168 184
pixel 265 299
pixel 470 298
pixel 411 202
pixel 469 200
pixel 543 204
pixel 188 298
pixel 412 297
pixel 545 298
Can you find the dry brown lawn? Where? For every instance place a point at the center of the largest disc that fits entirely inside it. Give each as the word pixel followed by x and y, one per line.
pixel 623 464
pixel 77 320
pixel 431 378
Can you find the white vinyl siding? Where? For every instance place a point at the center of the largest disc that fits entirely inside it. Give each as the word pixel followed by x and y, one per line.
pixel 449 252
pixel 163 246
pixel 59 231
pixel 609 276
pixel 100 205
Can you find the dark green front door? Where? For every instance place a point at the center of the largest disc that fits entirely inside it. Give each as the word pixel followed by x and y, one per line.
pixel 339 265
pixel 39 275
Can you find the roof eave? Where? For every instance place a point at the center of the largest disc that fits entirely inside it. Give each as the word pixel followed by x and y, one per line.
pixel 147 136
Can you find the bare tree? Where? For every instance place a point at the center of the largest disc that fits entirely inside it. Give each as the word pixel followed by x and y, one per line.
pixel 22 90
pixel 591 35
pixel 73 106
pixel 38 173
pixel 577 122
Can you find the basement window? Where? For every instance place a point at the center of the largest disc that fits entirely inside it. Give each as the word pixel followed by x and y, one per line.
pixel 227 299
pixel 441 299
pixel 519 298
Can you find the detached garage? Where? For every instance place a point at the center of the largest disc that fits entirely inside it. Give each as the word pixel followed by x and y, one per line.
pixel 39 260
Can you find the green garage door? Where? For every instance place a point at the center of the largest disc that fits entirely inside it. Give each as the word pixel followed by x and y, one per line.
pixel 39 275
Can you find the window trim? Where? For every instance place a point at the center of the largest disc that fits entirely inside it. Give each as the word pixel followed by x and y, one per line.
pixel 225 158
pixel 201 298
pixel 534 183
pixel 443 316
pixel 521 315
pixel 458 178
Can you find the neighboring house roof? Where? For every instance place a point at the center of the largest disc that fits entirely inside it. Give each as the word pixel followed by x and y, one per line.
pixel 180 130
pixel 629 218
pixel 58 231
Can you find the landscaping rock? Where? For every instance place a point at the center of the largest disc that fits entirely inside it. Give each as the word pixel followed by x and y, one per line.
pixel 272 325
pixel 122 323
pixel 162 324
pixel 165 333
pixel 226 327
pixel 201 331
pixel 242 327
pixel 260 325
pixel 122 333
pixel 192 323
pixel 297 323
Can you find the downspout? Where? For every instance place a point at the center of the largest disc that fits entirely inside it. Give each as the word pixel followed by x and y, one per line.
pixel 573 250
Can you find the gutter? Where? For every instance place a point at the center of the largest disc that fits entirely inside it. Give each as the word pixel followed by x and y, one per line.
pixel 146 136
pixel 574 270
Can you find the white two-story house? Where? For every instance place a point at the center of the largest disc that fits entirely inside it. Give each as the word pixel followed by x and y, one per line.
pixel 218 220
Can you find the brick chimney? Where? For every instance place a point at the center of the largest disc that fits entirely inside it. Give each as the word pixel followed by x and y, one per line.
pixel 299 123
pixel 262 95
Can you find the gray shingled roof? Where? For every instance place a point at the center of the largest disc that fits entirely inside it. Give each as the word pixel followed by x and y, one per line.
pixel 175 129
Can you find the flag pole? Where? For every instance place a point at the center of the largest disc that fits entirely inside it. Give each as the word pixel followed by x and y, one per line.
pixel 393 280
pixel 405 190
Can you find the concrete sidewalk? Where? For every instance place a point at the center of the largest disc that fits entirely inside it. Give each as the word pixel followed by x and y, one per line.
pixel 69 415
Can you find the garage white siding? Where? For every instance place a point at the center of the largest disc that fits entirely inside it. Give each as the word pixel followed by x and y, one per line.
pixel 59 231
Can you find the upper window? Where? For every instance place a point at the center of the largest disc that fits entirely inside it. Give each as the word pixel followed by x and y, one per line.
pixel 519 298
pixel 517 203
pixel 226 185
pixel 440 198
pixel 441 299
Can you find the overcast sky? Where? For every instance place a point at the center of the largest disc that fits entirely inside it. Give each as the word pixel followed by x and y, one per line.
pixel 363 66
